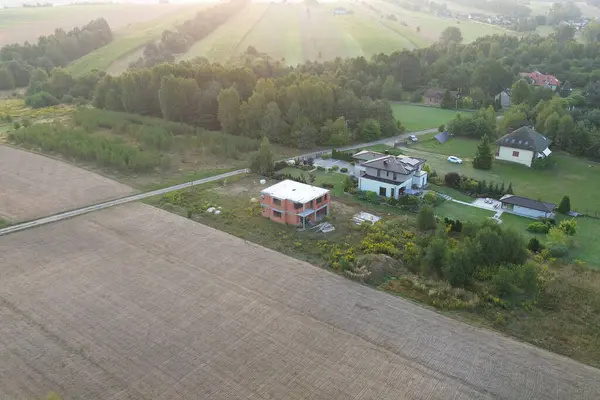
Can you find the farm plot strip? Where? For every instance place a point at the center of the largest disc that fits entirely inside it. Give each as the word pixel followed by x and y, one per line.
pixel 175 309
pixel 225 41
pixel 277 33
pixel 113 203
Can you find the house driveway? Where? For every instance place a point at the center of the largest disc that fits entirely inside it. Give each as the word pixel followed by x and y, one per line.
pixel 319 162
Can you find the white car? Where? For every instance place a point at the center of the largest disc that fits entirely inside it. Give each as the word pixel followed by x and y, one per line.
pixel 413 138
pixel 454 160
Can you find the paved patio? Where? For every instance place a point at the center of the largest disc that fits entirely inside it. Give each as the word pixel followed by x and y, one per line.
pixel 328 163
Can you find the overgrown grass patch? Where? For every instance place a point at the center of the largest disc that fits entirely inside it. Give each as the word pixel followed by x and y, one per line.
pixel 321 177
pixel 459 147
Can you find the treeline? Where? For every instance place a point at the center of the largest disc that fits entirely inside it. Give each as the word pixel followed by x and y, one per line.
pixel 60 87
pixel 290 108
pixel 17 62
pixel 185 35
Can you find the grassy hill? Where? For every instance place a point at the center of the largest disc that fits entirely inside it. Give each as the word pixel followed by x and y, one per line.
pixel 128 40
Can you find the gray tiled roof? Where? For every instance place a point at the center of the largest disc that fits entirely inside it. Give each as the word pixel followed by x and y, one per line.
pixel 397 164
pixel 525 138
pixel 528 203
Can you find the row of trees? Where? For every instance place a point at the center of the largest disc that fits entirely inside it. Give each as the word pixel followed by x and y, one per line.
pixel 295 109
pixel 188 33
pixel 17 62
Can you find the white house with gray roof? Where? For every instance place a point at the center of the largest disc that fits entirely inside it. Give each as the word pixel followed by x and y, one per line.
pixel 390 176
pixel 522 146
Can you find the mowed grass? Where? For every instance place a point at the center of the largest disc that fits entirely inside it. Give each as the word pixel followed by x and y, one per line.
pixel 419 117
pixel 130 39
pixel 463 148
pixel 462 212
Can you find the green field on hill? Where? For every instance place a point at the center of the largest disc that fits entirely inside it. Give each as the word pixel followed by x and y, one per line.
pixel 126 41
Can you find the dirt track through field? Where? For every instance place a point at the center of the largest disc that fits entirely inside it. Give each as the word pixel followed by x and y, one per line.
pixel 137 303
pixel 32 185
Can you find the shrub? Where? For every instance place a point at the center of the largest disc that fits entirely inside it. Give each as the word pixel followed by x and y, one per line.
pixel 279 165
pixel 326 156
pixel 538 227
pixel 452 179
pixel 26 122
pixel 68 99
pixel 327 185
pixel 426 218
pixel 335 168
pixel 558 250
pixel 40 100
pixel 16 125
pixel 568 226
pixel 430 197
pixel 441 128
pixel 320 168
pixel 344 170
pixel 534 245
pixel 565 205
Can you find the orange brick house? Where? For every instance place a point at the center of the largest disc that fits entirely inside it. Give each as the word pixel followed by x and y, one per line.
pixel 294 203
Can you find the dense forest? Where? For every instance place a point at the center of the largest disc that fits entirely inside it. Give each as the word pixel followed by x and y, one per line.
pixel 344 100
pixel 17 61
pixel 188 33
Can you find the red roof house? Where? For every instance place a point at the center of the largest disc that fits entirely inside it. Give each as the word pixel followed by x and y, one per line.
pixel 539 79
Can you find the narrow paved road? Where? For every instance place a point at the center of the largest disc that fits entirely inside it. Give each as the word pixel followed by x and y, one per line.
pixel 141 196
pixel 112 203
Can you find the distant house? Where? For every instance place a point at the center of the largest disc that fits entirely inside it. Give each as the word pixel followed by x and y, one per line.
pixel 390 176
pixel 433 97
pixel 341 11
pixel 294 203
pixel 503 98
pixel 523 146
pixel 527 207
pixel 543 80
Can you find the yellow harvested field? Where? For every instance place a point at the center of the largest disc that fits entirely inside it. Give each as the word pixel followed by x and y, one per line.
pixel 137 303
pixel 32 185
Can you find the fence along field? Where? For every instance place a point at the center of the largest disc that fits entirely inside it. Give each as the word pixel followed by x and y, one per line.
pixel 87 290
pixel 18 25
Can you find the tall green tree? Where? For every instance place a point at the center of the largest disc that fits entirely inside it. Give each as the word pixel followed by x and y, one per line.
pixel 565 205
pixel 370 130
pixel 272 125
pixel 426 218
pixel 37 81
pixel 60 82
pixel 7 81
pixel 229 110
pixel 263 161
pixel 483 158
pixel 451 35
pixel 448 102
pixel 178 99
pixel 519 92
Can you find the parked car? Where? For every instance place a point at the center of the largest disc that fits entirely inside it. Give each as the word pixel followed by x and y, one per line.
pixel 413 138
pixel 454 160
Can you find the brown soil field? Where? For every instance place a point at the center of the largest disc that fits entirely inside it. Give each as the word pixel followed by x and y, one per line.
pixel 137 303
pixel 32 185
pixel 18 25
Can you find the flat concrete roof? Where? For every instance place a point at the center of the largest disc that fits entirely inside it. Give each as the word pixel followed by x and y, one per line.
pixel 294 191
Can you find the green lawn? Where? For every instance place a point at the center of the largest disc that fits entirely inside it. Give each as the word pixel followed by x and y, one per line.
pixel 459 147
pixel 419 117
pixel 455 194
pixel 454 210
pixel 334 178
